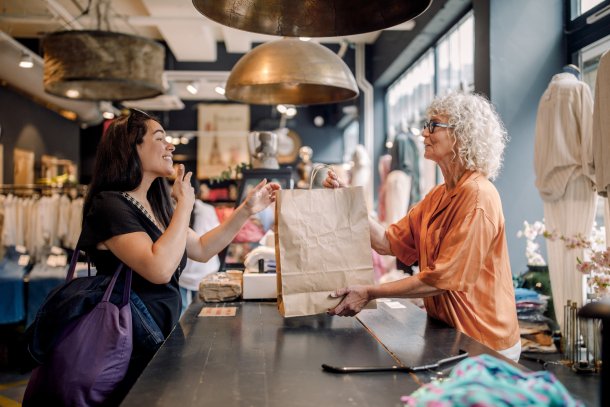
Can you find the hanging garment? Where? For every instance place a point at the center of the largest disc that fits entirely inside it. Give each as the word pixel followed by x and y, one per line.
pixel 601 134
pixel 563 145
pixel 405 157
pixel 569 216
pixel 601 127
pixel 398 185
pixel 563 162
pixel 384 169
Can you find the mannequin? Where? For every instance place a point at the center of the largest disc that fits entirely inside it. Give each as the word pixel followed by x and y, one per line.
pixel 573 69
pixel 601 134
pixel 563 163
pixel 264 154
pixel 361 172
pixel 405 158
pixel 384 170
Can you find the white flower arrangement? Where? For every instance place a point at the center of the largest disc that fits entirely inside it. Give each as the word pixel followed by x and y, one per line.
pixel 531 232
pixel 597 254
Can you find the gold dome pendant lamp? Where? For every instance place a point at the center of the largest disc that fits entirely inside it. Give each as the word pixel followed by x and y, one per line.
pixel 102 65
pixel 291 71
pixel 311 18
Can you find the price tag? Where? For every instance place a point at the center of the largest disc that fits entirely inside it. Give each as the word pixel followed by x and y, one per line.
pixel 21 249
pixel 24 260
pixel 57 250
pixel 218 312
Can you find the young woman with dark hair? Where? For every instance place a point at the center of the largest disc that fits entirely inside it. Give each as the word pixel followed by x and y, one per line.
pixel 129 217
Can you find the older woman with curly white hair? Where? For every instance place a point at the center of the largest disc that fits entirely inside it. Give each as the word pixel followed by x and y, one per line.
pixel 456 233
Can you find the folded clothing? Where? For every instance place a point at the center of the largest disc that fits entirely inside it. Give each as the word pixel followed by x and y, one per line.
pixel 523 294
pixel 486 381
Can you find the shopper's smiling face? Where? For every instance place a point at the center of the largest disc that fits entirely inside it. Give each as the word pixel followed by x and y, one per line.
pixel 155 152
pixel 440 144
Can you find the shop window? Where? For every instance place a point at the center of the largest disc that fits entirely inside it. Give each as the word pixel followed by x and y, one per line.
pixel 447 66
pixel 455 56
pixel 409 96
pixel 580 7
pixel 588 60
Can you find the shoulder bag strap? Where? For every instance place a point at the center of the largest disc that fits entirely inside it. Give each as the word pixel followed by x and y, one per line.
pixel 126 289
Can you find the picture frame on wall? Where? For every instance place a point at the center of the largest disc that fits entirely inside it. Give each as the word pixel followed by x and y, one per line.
pixel 222 138
pixel 219 151
pixel 23 166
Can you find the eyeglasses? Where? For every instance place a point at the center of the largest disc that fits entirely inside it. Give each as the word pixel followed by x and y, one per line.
pixel 430 125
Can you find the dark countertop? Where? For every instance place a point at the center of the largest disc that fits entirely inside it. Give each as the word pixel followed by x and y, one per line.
pixel 258 358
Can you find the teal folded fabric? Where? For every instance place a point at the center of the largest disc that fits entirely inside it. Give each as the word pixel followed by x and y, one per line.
pixel 487 381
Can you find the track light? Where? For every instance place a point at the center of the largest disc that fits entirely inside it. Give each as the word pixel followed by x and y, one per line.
pixel 291 112
pixel 26 60
pixel 220 90
pixel 193 87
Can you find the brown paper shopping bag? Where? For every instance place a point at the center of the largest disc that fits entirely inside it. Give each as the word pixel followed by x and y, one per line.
pixel 322 243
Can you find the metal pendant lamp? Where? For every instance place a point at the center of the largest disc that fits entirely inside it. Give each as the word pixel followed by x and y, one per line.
pixel 290 71
pixel 311 18
pixel 102 65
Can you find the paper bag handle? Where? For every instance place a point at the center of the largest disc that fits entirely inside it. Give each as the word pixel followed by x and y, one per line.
pixel 314 172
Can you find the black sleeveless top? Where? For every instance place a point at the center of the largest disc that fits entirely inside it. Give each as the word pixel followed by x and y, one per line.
pixel 112 214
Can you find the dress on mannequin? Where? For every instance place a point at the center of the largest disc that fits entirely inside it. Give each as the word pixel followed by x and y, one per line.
pixel 361 172
pixel 601 134
pixel 563 163
pixel 405 158
pixel 384 169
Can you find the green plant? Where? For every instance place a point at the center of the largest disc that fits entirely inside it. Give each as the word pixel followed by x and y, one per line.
pixel 227 174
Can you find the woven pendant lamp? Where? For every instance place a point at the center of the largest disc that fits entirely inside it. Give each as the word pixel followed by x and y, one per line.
pixel 102 65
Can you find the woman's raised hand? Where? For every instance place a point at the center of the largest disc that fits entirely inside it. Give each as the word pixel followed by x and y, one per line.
pixel 261 196
pixel 332 180
pixel 182 190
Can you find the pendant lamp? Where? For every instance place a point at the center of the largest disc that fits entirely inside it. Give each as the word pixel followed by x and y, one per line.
pixel 311 18
pixel 290 71
pixel 102 65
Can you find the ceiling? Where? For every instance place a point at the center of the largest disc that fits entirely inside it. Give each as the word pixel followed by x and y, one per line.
pixel 189 35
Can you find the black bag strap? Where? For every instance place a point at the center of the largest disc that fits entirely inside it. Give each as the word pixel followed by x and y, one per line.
pixel 72 267
pixel 108 292
pixel 73 261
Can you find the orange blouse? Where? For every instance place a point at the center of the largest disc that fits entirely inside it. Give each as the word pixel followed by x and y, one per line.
pixel 460 242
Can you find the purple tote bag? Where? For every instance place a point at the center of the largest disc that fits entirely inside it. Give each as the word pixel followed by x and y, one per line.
pixel 90 357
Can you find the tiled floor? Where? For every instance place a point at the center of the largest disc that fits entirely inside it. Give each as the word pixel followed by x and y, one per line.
pixel 12 387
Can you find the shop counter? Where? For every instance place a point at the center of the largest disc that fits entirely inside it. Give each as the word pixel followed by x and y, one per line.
pixel 258 358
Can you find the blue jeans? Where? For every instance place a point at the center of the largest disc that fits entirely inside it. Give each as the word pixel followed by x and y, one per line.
pixel 187 297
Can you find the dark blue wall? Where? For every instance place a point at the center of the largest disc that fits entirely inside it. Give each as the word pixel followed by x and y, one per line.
pixel 526 49
pixel 30 126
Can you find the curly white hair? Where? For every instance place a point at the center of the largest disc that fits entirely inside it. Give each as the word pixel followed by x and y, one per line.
pixel 478 130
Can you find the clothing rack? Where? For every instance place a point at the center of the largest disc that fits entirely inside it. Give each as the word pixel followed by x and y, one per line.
pixel 29 189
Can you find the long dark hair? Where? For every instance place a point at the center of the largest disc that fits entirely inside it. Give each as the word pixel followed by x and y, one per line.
pixel 118 166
